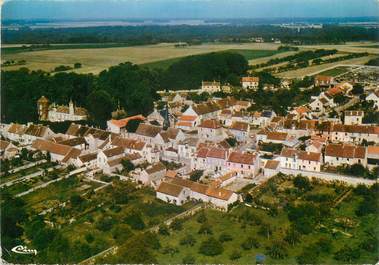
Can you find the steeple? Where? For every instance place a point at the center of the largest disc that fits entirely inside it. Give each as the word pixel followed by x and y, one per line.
pixel 166 122
pixel 71 107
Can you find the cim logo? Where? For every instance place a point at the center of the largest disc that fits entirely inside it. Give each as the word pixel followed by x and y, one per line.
pixel 24 250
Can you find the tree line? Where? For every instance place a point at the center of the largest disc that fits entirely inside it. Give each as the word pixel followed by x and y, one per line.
pixel 138 35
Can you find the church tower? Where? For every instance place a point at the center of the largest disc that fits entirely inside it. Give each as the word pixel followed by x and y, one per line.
pixel 43 108
pixel 166 122
pixel 71 108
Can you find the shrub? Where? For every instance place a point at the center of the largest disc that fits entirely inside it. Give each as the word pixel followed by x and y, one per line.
pixel 134 219
pixel 188 260
pixel 105 223
pixel 201 218
pixel 211 247
pixel 163 230
pixel 177 225
pixel 224 237
pixel 235 255
pixel 249 243
pixel 188 240
pixel 205 228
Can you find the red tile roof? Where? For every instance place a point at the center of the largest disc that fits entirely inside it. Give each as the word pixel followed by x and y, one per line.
pixel 242 158
pixel 123 122
pixel 210 124
pixel 345 151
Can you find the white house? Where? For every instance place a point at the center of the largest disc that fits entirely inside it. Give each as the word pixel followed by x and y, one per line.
pixel 210 87
pixel 152 175
pixel 249 82
pixel 34 132
pixel 58 152
pixel 300 160
pixel 271 168
pixel 7 149
pixel 246 164
pixel 108 159
pixel 353 117
pixel 372 156
pixel 240 131
pixel 353 133
pixel 187 148
pixel 211 130
pixel 374 97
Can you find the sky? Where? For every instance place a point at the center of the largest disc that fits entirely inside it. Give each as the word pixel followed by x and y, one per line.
pixel 186 9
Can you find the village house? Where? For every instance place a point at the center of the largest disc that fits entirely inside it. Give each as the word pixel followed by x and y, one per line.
pixel 353 117
pixel 119 126
pixel 262 119
pixel 250 82
pixel 34 132
pixel 179 191
pixel 133 146
pixel 272 137
pixel 58 152
pixel 211 130
pixel 345 154
pixel 187 122
pixel 271 168
pixel 152 175
pixel 14 131
pixel 246 164
pixel 87 160
pixel 79 143
pixel 110 160
pixel 372 156
pixel 240 130
pixel 210 87
pixel 187 148
pixel 7 149
pixel 374 97
pixel 212 159
pixel 300 160
pixel 323 81
pixel 241 105
pixel 353 133
pixel 302 112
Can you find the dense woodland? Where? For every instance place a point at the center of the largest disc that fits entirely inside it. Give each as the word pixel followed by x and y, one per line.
pixel 131 86
pixel 137 35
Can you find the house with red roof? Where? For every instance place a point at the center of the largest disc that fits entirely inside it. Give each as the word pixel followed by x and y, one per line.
pixel 119 126
pixel 247 164
pixel 211 130
pixel 300 160
pixel 250 82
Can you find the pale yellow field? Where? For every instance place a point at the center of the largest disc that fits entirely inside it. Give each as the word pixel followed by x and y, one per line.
pixel 96 60
pixel 319 68
pixel 348 47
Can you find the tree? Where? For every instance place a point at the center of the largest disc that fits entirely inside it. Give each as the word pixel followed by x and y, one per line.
pixel 76 200
pixel 105 223
pixel 201 218
pixel 163 230
pixel 211 247
pixel 224 237
pixel 188 240
pixel 302 183
pixel 235 255
pixel 127 165
pixel 205 229
pixel 196 175
pixel 139 249
pixel 134 219
pixel 357 89
pixel 308 256
pixel 132 125
pixel 121 233
pixel 292 236
pixel 99 105
pixel 249 243
pixel 347 254
pixel 265 230
pixel 77 65
pixel 278 250
pixel 231 141
pixel 177 225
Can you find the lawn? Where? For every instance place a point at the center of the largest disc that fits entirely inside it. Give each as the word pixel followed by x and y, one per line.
pixel 243 222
